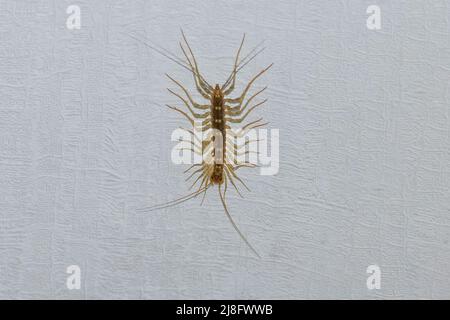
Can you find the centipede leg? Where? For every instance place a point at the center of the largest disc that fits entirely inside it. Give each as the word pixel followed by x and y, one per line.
pixel 234 224
pixel 196 105
pixel 232 152
pixel 237 147
pixel 195 63
pixel 230 169
pixel 249 126
pixel 206 141
pixel 193 173
pixel 226 186
pixel 232 182
pixel 200 83
pixel 245 165
pixel 239 120
pixel 183 113
pixel 198 178
pixel 192 143
pixel 243 62
pixel 194 114
pixel 206 179
pixel 193 166
pixel 198 152
pixel 242 96
pixel 233 74
pixel 248 152
pixel 237 110
pixel 204 193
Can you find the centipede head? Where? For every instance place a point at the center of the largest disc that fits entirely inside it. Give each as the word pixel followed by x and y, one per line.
pixel 217 95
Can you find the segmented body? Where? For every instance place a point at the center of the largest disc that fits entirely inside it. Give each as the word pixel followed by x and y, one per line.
pixel 218 123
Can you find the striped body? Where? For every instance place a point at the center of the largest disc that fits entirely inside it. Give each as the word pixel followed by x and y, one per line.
pixel 218 124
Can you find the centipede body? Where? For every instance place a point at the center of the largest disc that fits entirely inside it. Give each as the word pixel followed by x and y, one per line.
pixel 216 114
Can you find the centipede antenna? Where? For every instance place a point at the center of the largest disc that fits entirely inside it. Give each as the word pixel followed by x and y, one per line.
pixel 161 52
pixel 251 52
pixel 244 64
pixel 166 53
pixel 233 73
pixel 253 57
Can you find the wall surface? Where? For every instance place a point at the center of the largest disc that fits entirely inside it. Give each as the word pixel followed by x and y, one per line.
pixel 85 142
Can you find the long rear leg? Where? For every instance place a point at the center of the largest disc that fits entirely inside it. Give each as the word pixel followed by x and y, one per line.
pixel 232 182
pixel 234 224
pixel 173 202
pixel 194 194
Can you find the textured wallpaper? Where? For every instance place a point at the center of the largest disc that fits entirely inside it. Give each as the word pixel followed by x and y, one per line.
pixel 364 163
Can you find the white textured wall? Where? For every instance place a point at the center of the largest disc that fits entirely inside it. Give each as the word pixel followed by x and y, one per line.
pixel 364 129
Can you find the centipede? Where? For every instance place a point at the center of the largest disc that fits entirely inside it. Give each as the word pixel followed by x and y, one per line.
pixel 219 113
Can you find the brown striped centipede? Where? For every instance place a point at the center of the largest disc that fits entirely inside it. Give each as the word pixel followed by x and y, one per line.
pixel 216 115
